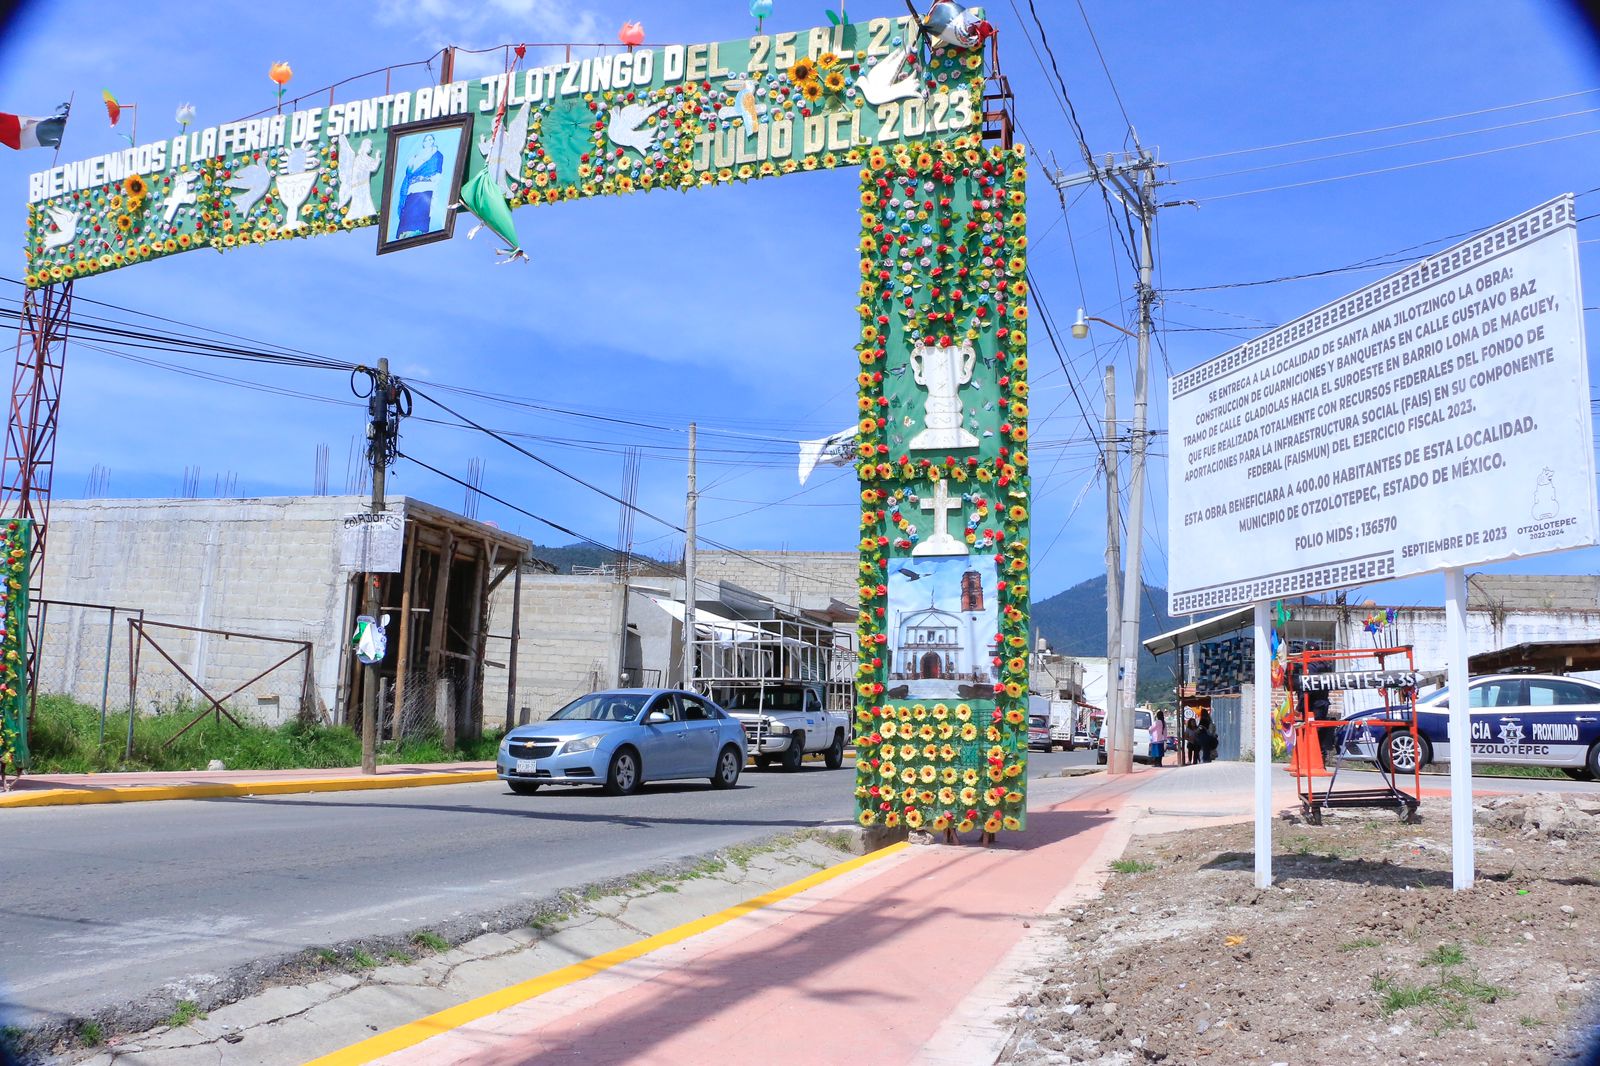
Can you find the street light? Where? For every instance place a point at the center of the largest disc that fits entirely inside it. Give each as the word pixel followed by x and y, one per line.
pixel 1080 328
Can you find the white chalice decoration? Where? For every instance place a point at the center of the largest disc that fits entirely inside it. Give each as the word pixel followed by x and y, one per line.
pixel 942 371
pixel 295 179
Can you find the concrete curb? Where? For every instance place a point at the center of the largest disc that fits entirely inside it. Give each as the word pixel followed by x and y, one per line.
pixel 66 797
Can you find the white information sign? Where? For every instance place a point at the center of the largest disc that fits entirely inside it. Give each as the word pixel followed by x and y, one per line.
pixel 1437 418
pixel 372 543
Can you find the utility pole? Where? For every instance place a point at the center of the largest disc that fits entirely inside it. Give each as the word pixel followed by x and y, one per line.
pixel 1141 191
pixel 1119 760
pixel 689 594
pixel 1133 183
pixel 388 401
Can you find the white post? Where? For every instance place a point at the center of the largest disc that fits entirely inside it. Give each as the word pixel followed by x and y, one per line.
pixel 1263 731
pixel 1462 859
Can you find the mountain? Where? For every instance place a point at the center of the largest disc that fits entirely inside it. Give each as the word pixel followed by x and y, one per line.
pixel 1074 623
pixel 568 556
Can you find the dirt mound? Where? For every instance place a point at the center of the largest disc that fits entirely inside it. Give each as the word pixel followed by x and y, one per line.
pixel 1359 954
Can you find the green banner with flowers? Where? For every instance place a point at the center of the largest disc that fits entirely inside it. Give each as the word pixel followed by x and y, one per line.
pixel 18 545
pixel 678 117
pixel 941 720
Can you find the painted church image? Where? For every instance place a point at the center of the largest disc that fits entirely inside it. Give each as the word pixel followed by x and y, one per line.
pixel 944 624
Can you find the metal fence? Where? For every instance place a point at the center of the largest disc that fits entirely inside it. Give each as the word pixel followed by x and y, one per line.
pixel 264 678
pixel 77 644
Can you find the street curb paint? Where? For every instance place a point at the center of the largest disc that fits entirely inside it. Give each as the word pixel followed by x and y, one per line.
pixel 414 1033
pixel 66 797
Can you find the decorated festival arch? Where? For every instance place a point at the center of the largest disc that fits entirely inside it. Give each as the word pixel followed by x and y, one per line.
pixel 941 444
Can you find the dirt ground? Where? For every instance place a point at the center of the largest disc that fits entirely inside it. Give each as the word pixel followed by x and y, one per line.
pixel 1361 953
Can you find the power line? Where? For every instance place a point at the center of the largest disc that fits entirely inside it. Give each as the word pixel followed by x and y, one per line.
pixel 1381 129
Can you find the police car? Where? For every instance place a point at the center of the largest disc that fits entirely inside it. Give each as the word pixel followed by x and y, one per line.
pixel 1518 719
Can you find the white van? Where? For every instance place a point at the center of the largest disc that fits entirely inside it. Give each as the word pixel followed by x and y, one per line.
pixel 1141 737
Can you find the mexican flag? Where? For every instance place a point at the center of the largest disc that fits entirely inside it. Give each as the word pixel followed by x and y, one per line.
pixel 21 131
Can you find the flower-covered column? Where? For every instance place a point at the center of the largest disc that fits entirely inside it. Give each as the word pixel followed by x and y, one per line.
pixel 17 543
pixel 942 691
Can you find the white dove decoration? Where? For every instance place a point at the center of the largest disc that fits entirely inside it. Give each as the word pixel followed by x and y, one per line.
pixel 628 129
pixel 182 194
pixel 889 79
pixel 66 223
pixel 502 154
pixel 251 183
pixel 743 106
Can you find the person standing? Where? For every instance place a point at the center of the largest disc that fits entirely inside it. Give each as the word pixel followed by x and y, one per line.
pixel 1191 739
pixel 1208 737
pixel 1158 737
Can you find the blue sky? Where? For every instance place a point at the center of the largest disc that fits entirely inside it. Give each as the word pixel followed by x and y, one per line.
pixel 734 307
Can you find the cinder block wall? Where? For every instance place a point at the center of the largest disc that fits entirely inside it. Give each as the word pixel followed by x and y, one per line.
pixel 265 566
pixel 569 643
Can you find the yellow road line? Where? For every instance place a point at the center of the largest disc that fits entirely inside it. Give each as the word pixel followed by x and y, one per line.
pixel 414 1033
pixel 60 797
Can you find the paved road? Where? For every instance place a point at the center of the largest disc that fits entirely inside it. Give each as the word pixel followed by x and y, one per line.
pixel 103 903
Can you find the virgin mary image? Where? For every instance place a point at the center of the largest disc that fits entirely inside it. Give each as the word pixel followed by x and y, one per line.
pixel 422 174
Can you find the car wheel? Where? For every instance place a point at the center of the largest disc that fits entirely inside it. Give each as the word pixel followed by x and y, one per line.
pixel 1100 758
pixel 1593 762
pixel 1401 753
pixel 1578 773
pixel 763 762
pixel 524 788
pixel 623 779
pixel 833 758
pixel 795 752
pixel 726 774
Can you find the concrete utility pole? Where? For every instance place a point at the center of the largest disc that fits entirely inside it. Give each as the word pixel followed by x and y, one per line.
pixel 1118 759
pixel 689 595
pixel 378 431
pixel 1141 191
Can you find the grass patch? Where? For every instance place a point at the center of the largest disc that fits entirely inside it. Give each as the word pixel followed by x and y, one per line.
pixel 327 956
pixel 361 960
pixel 1528 1021
pixel 397 955
pixel 1449 1001
pixel 90 1033
pixel 187 1011
pixel 430 940
pixel 1132 866
pixel 65 739
pixel 1360 942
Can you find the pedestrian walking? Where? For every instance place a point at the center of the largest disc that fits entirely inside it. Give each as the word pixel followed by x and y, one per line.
pixel 1158 737
pixel 1208 737
pixel 1191 739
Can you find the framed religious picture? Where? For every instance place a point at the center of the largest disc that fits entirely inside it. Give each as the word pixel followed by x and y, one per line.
pixel 422 175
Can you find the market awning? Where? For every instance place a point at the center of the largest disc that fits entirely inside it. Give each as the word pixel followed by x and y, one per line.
pixel 707 619
pixel 1195 632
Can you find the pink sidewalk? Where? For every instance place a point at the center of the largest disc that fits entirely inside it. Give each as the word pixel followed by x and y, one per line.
pixel 179 779
pixel 863 969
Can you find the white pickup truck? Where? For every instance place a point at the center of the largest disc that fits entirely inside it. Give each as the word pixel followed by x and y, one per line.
pixel 786 721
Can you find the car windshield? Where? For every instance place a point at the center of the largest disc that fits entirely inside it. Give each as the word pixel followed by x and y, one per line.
pixel 603 707
pixel 1141 719
pixel 772 699
pixel 1039 721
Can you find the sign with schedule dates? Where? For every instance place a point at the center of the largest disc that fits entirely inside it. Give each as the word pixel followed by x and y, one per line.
pixel 1437 418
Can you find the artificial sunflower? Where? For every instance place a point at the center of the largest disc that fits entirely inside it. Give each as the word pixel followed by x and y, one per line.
pixel 812 91
pixel 827 61
pixel 134 186
pixel 834 81
pixel 124 223
pixel 803 71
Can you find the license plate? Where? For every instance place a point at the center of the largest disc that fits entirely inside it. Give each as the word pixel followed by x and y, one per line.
pixel 527 766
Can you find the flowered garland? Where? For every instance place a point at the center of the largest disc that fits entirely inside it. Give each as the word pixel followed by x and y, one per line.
pixel 116 234
pixel 943 263
pixel 17 544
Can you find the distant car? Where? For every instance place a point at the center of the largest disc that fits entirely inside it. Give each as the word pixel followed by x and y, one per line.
pixel 622 737
pixel 1039 733
pixel 1141 739
pixel 1517 719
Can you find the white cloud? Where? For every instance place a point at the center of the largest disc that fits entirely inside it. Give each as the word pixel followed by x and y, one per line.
pixel 489 23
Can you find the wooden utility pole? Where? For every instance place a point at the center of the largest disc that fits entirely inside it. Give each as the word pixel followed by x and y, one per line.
pixel 378 431
pixel 689 595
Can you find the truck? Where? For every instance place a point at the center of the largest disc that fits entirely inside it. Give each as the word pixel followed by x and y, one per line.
pixel 784 721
